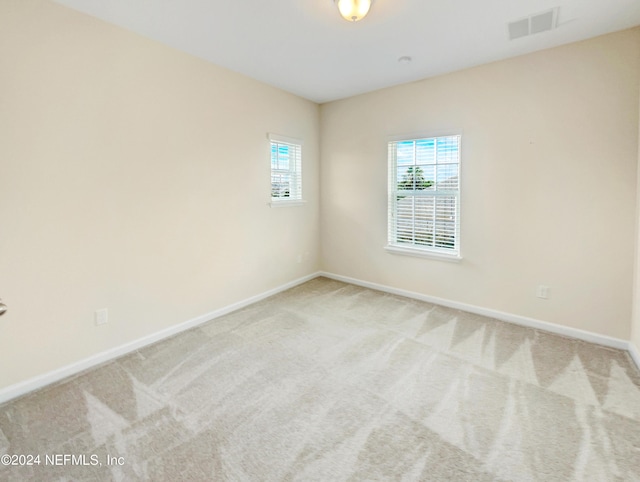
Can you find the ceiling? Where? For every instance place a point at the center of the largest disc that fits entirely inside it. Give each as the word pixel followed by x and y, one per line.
pixel 305 47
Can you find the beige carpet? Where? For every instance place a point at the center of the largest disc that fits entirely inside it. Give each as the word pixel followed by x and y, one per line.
pixel 333 382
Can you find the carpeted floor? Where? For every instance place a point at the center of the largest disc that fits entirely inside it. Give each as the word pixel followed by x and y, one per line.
pixel 332 382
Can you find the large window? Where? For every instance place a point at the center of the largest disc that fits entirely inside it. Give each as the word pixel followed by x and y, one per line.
pixel 286 169
pixel 424 196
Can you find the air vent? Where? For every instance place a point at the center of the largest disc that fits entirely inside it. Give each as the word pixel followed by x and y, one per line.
pixel 541 22
pixel 519 29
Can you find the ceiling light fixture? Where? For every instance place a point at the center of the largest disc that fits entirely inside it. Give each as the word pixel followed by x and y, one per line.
pixel 353 10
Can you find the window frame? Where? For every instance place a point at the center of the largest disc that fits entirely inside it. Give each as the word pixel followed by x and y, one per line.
pixel 294 171
pixel 411 249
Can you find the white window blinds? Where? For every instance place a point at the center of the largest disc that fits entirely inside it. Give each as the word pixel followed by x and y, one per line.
pixel 424 194
pixel 286 169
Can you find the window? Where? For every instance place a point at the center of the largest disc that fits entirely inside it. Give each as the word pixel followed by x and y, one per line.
pixel 286 169
pixel 424 196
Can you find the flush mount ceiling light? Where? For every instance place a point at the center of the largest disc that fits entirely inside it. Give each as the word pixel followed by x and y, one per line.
pixel 353 10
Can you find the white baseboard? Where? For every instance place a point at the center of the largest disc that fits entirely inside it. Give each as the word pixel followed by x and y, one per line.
pixel 22 388
pixel 499 315
pixel 635 354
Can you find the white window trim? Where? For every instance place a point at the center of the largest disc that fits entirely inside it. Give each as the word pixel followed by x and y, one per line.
pixel 287 202
pixel 423 253
pixel 287 140
pixel 427 252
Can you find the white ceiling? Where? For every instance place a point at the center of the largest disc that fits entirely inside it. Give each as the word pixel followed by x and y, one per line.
pixel 305 47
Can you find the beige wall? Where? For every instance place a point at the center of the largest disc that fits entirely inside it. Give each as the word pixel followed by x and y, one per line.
pixel 134 178
pixel 635 321
pixel 549 154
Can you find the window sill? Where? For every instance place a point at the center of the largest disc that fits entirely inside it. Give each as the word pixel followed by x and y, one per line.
pixel 286 204
pixel 421 253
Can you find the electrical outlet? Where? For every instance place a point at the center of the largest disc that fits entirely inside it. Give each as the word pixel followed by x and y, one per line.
pixel 299 258
pixel 101 316
pixel 542 292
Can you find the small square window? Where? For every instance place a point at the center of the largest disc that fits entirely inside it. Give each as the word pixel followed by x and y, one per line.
pixel 286 169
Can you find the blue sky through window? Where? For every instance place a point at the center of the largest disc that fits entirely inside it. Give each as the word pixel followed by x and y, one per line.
pixel 280 156
pixel 437 158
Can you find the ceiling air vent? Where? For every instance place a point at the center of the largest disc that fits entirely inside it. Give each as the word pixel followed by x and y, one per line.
pixel 541 22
